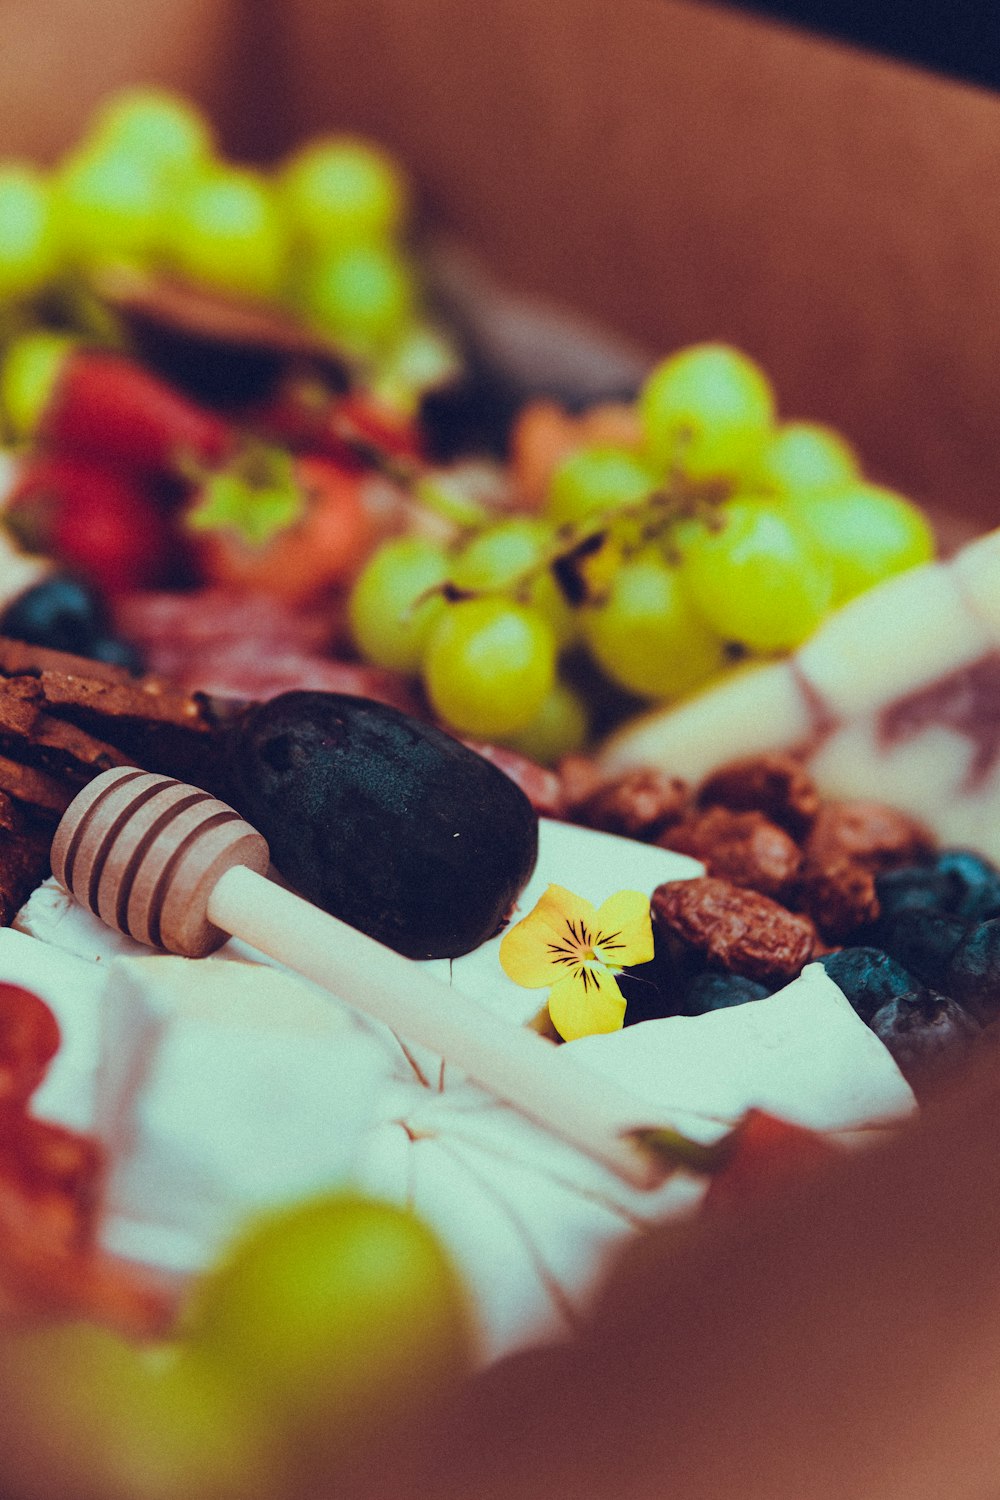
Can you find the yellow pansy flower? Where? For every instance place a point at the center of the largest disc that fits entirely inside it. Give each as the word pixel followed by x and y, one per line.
pixel 576 948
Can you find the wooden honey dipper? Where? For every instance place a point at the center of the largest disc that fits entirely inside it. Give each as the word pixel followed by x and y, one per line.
pixel 173 867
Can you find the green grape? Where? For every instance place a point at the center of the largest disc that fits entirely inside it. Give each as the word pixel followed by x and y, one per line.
pixel 801 457
pixel 489 666
pixel 109 205
pixel 596 478
pixel 865 532
pixel 334 1317
pixel 29 375
pixel 760 579
pixel 423 358
pixel 364 295
pixel 497 556
pixel 706 411
pixel 389 627
pixel 28 249
pixel 154 126
pixel 648 637
pixel 226 234
pixel 339 190
pixel 117 1419
pixel 559 728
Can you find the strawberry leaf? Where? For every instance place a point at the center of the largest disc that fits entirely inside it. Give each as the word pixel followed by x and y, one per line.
pixel 256 497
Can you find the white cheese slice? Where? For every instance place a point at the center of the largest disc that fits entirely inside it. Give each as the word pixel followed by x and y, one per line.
pixel 897 637
pixel 802 1053
pixel 225 1087
pixel 222 1088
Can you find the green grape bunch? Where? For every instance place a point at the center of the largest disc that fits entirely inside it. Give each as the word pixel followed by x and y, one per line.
pixel 323 235
pixel 721 534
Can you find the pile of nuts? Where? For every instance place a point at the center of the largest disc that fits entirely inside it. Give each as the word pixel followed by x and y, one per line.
pixel 787 875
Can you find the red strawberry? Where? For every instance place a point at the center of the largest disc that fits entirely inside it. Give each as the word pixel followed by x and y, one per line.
pixel 103 525
pixel 105 407
pixel 766 1155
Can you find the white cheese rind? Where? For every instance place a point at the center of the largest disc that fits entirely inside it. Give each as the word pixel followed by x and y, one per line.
pixel 222 1088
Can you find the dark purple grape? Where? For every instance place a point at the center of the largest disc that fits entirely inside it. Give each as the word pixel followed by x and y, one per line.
pixel 869 978
pixel 922 941
pixel 973 976
pixel 388 823
pixel 709 991
pixel 976 883
pixel 927 1034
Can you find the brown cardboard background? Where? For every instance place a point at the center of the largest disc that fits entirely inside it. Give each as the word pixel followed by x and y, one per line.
pixel 58 58
pixel 677 171
pixel 688 173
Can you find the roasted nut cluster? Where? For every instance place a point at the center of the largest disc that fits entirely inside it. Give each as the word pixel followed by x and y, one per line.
pixel 787 876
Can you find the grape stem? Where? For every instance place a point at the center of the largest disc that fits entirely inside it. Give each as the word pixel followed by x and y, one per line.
pixel 657 512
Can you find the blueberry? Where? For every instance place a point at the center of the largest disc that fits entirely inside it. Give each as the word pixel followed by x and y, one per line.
pixel 976 883
pixel 61 612
pixel 710 991
pixel 645 998
pixel 869 978
pixel 927 1034
pixel 914 888
pixel 653 990
pixel 922 941
pixel 973 976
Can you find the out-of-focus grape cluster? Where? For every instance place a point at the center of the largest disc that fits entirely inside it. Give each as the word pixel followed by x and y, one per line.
pixel 321 234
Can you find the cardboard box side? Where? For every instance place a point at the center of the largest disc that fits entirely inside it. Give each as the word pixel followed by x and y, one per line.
pixel 685 173
pixel 59 59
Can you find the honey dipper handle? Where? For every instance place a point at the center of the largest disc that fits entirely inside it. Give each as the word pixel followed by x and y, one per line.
pixel 512 1062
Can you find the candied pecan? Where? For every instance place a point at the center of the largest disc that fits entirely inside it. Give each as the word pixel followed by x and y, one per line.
pixel 639 804
pixel 867 833
pixel 744 847
pixel 777 785
pixel 840 897
pixel 732 928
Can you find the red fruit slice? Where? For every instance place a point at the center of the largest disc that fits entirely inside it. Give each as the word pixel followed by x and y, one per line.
pixel 767 1155
pixel 29 1039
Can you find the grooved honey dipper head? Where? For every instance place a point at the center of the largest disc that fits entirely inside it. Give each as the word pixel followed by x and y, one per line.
pixel 144 853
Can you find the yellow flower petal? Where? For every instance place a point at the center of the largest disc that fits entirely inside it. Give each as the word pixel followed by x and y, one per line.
pixel 625 920
pixel 526 949
pixel 580 1007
